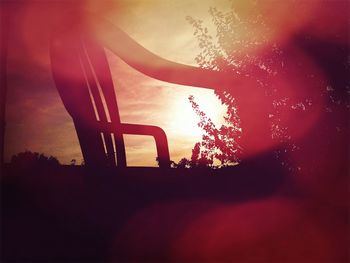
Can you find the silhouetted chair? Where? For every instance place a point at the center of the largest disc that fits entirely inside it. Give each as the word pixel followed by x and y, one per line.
pixel 83 79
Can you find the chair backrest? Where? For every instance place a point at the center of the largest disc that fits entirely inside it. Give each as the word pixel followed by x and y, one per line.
pixel 83 79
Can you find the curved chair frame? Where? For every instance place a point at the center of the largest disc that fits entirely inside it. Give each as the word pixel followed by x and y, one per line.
pixel 83 79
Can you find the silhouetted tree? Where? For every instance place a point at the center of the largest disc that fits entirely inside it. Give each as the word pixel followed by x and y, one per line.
pixel 217 144
pixel 226 54
pixel 30 159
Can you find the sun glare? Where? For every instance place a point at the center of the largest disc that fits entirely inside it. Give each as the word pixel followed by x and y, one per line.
pixel 185 121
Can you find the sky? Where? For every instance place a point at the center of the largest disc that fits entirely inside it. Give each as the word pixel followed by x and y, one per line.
pixel 36 117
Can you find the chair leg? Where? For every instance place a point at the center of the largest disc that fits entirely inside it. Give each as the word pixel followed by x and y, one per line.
pixel 91 145
pixel 120 150
pixel 159 137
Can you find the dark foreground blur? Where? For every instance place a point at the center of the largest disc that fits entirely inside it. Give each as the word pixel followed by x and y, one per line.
pixel 251 212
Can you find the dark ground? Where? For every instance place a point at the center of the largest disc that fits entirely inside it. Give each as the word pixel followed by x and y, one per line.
pixel 253 212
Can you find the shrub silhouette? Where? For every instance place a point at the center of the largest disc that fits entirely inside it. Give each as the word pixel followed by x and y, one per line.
pixel 28 159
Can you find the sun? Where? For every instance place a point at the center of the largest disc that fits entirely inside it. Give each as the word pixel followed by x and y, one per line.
pixel 184 120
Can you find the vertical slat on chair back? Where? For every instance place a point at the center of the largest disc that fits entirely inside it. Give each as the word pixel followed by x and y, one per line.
pixel 102 74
